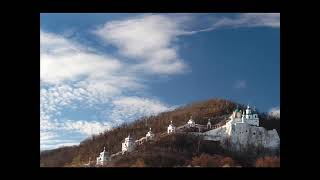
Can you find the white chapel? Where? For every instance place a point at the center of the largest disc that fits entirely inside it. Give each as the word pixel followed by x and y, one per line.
pixel 128 145
pixel 191 122
pixel 248 116
pixel 171 128
pixel 103 158
pixel 209 124
pixel 149 135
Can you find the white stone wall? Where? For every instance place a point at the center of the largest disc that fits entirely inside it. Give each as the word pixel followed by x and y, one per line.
pixel 243 135
pixel 254 122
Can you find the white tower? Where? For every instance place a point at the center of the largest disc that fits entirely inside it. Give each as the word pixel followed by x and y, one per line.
pixel 128 145
pixel 248 112
pixel 209 124
pixel 251 117
pixel 171 128
pixel 149 135
pixel 103 158
pixel 191 122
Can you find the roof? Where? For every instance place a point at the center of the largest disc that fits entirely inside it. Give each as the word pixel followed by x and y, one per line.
pixel 237 110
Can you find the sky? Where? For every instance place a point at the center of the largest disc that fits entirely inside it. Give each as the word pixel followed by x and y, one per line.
pixel 100 70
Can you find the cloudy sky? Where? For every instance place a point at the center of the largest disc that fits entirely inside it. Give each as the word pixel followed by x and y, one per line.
pixel 100 70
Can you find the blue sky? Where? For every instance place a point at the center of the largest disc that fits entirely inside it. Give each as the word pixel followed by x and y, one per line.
pixel 100 70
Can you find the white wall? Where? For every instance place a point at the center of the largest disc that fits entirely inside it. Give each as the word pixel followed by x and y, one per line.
pixel 243 135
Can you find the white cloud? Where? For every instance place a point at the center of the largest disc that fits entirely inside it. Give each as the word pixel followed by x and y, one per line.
pixel 149 39
pixel 70 72
pixel 275 111
pixel 240 84
pixel 271 20
pixel 55 144
pixel 46 135
pixel 129 108
pixel 251 20
pixel 52 43
pixel 69 132
pixel 56 98
pixel 263 19
pixel 87 127
pixel 69 66
pixel 72 76
pixel 62 60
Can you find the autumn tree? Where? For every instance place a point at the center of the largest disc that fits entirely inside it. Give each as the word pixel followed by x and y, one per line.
pixel 206 160
pixel 268 161
pixel 139 163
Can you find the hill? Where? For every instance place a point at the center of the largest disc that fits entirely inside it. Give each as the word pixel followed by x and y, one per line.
pixel 175 150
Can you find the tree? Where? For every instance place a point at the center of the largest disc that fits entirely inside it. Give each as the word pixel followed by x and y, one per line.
pixel 206 160
pixel 268 161
pixel 139 163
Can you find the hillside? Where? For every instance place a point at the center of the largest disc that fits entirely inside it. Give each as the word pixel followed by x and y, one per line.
pixel 174 150
pixel 171 151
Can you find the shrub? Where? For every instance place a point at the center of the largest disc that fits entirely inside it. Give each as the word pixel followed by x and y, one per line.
pixel 268 162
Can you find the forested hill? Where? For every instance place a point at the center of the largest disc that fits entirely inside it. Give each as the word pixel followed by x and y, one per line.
pixel 200 111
